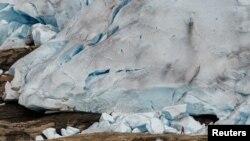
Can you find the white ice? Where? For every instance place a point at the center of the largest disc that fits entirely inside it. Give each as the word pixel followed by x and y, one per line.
pixel 50 133
pixel 137 57
pixel 106 117
pixel 155 126
pixel 1 71
pixel 39 138
pixel 42 33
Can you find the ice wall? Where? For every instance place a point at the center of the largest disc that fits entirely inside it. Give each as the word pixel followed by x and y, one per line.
pixel 135 56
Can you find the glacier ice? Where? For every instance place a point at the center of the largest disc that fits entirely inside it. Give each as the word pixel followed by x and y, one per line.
pixel 136 130
pixel 9 14
pixel 175 111
pixel 64 132
pixel 240 116
pixel 120 127
pixel 50 133
pixel 9 93
pixel 72 130
pixel 106 117
pixel 69 132
pixel 45 18
pixel 168 129
pixel 154 123
pixel 103 126
pixel 39 138
pixel 155 126
pixel 137 57
pixel 190 125
pixel 16 39
pixel 135 120
pixel 15 26
pixel 53 12
pixel 42 33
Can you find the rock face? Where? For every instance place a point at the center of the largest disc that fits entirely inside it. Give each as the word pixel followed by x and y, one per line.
pixel 134 56
pixel 10 56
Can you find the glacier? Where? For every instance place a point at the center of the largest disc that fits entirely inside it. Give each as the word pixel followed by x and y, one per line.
pixel 134 56
pixel 18 19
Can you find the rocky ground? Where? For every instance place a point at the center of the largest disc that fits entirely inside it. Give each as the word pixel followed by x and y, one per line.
pixel 19 123
pixel 133 137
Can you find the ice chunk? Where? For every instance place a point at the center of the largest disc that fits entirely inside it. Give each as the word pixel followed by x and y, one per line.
pixel 39 138
pixel 92 129
pixel 190 125
pixel 57 136
pixel 142 128
pixel 168 129
pixel 16 82
pixel 136 120
pixel 107 117
pixel 120 127
pixel 17 33
pixel 6 30
pixel 13 42
pixel 50 133
pixel 1 72
pixel 69 131
pixel 64 132
pixel 133 120
pixel 136 130
pixel 72 130
pixel 165 120
pixel 155 126
pixel 139 123
pixel 7 72
pixel 2 104
pixel 42 33
pixel 102 126
pixel 96 124
pixel 9 93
